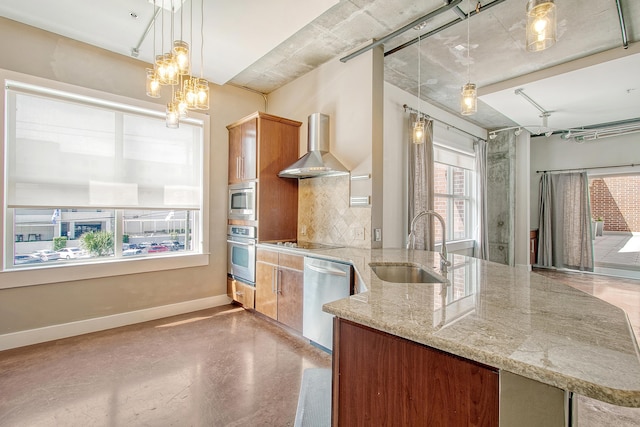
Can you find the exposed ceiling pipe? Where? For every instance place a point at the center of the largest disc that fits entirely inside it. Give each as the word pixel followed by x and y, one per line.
pixel 450 5
pixel 443 27
pixel 623 27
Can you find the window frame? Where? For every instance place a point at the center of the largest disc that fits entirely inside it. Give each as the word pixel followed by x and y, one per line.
pixel 37 275
pixel 451 198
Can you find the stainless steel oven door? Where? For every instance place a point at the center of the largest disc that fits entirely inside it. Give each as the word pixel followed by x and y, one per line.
pixel 241 259
pixel 242 201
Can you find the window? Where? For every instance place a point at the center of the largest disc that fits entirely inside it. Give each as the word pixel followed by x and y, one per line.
pixel 453 184
pixel 106 180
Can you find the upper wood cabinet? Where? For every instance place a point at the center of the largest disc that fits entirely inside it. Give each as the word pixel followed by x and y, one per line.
pixel 242 151
pixel 260 146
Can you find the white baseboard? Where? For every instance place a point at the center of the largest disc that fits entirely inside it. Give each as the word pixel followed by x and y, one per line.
pixel 65 330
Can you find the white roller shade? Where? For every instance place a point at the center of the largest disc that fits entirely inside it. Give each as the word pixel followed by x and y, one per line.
pixel 64 152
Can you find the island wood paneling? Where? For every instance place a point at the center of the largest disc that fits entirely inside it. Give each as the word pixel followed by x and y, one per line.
pixel 380 379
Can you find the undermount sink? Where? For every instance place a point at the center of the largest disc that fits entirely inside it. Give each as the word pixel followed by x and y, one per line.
pixel 403 273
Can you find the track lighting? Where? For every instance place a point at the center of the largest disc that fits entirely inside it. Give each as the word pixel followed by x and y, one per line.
pixel 492 135
pixel 548 133
pixel 518 131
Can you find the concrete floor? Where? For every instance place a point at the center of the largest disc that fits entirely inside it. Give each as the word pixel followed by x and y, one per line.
pixel 618 254
pixel 216 367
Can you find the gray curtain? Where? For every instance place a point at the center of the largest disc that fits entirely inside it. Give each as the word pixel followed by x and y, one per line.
pixel 564 229
pixel 421 184
pixel 482 244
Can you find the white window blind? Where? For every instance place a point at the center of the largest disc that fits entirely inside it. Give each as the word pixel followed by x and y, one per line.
pixel 66 152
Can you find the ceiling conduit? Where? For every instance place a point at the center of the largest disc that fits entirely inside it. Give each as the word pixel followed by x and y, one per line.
pixel 623 27
pixel 450 5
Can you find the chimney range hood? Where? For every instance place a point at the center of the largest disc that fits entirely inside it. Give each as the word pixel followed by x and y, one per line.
pixel 318 161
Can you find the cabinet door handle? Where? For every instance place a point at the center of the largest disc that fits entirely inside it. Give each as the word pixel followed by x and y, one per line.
pixel 273 280
pixel 242 167
pixel 238 293
pixel 238 167
pixel 279 282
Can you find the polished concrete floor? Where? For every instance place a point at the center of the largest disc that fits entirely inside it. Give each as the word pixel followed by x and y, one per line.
pixel 217 367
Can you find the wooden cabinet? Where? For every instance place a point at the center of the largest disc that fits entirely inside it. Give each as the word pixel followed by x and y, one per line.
pixel 382 379
pixel 533 247
pixel 241 293
pixel 279 286
pixel 260 146
pixel 242 151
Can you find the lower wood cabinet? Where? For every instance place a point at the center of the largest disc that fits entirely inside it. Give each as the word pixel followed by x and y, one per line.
pixel 381 379
pixel 241 292
pixel 279 286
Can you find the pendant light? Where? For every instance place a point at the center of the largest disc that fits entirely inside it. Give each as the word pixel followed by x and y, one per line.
pixel 153 82
pixel 469 96
pixel 541 24
pixel 202 85
pixel 418 125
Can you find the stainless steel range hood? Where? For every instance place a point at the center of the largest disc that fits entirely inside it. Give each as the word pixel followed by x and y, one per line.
pixel 318 161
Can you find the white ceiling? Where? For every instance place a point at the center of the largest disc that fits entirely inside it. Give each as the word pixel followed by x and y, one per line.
pixel 569 94
pixel 586 78
pixel 236 33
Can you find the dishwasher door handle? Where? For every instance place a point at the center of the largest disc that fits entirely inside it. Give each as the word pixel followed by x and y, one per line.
pixel 322 270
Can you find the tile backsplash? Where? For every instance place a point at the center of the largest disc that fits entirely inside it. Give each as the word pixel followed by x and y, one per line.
pixel 324 214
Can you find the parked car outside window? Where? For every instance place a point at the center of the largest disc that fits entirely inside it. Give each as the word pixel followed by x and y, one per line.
pixel 47 255
pixel 72 252
pixel 26 259
pixel 173 245
pixel 157 248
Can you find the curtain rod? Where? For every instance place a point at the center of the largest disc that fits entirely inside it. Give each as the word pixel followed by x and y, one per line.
pixel 584 169
pixel 413 110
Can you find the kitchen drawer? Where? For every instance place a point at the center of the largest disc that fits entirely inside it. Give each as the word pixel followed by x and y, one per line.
pixel 295 262
pixel 242 293
pixel 265 255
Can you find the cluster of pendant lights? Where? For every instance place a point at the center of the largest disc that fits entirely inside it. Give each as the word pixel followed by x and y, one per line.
pixel 173 69
pixel 541 34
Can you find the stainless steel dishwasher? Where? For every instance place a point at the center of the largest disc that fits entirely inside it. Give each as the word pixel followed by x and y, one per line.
pixel 324 281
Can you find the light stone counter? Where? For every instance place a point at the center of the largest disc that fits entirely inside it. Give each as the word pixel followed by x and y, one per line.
pixel 501 316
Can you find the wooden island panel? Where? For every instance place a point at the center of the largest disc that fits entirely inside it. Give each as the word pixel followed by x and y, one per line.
pixel 381 379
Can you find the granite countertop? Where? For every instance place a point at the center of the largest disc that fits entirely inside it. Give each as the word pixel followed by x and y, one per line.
pixel 501 316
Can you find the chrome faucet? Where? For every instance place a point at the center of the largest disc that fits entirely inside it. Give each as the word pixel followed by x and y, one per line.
pixel 411 239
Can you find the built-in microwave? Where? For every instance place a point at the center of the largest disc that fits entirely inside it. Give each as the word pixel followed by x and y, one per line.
pixel 242 201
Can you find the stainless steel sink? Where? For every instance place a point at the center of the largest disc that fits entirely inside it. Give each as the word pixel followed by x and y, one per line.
pixel 403 273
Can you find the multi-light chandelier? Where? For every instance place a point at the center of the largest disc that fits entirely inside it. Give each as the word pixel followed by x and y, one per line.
pixel 173 68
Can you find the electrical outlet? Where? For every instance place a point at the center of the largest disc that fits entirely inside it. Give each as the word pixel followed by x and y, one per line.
pixel 303 230
pixel 377 235
pixel 357 233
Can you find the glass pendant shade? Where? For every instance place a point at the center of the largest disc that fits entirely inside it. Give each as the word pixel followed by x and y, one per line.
pixel 189 92
pixel 541 24
pixel 469 100
pixel 153 84
pixel 173 116
pixel 181 55
pixel 202 94
pixel 418 131
pixel 171 69
pixel 181 103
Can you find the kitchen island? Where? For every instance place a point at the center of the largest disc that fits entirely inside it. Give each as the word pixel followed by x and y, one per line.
pixel 517 323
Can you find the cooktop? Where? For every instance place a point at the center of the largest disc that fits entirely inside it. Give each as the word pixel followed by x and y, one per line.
pixel 303 245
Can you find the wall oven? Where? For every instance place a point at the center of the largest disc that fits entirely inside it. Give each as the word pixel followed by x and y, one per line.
pixel 241 253
pixel 242 201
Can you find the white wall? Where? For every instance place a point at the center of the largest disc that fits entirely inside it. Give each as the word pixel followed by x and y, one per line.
pixel 43 54
pixel 556 153
pixel 395 154
pixel 350 93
